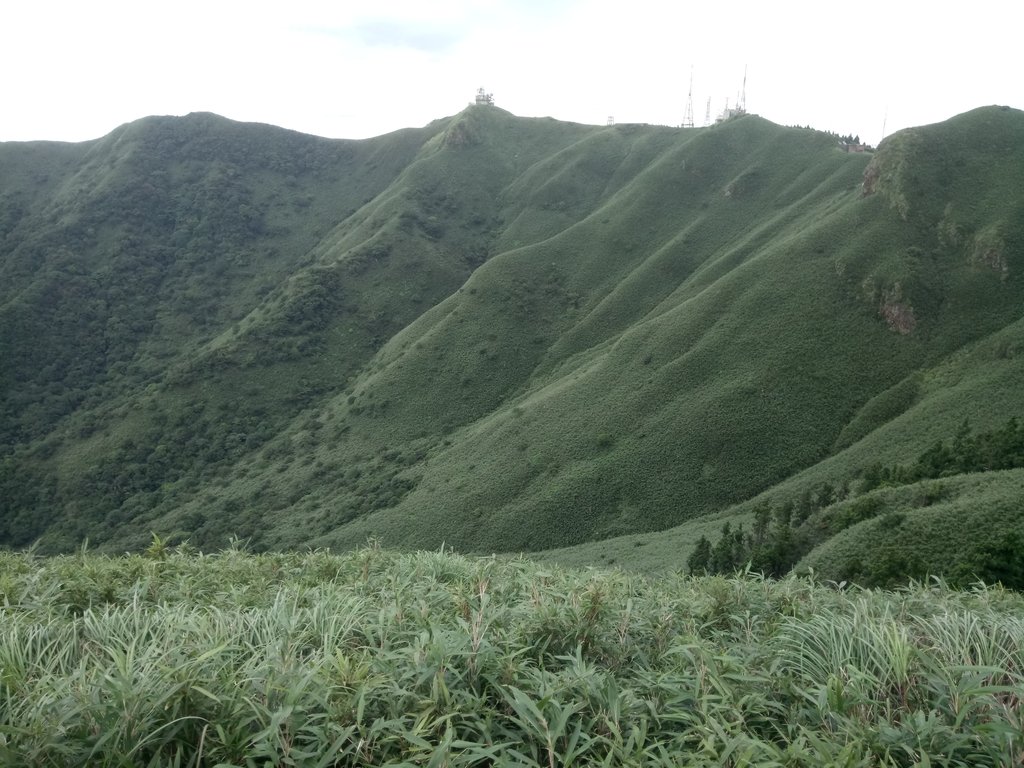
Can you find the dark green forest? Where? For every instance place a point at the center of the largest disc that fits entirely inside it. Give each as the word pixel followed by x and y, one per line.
pixel 725 347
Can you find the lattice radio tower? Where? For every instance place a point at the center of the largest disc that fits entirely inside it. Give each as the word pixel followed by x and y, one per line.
pixel 688 117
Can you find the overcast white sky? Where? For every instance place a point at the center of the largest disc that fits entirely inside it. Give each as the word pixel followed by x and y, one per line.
pixel 75 70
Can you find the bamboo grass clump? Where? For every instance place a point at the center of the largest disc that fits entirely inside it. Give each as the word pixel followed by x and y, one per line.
pixel 384 658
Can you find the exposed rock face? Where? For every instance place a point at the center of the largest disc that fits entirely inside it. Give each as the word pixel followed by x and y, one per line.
pixel 899 317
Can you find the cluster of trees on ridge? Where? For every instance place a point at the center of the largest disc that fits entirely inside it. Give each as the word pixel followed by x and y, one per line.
pixel 781 535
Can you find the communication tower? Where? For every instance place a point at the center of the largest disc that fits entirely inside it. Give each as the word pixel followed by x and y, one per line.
pixel 707 114
pixel 742 107
pixel 688 117
pixel 741 103
pixel 482 97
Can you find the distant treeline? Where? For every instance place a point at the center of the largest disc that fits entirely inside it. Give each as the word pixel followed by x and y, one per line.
pixel 848 138
pixel 780 535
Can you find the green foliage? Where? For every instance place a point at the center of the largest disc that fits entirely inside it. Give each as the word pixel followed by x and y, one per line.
pixel 500 334
pixel 380 658
pixel 962 528
pixel 984 452
pixel 783 535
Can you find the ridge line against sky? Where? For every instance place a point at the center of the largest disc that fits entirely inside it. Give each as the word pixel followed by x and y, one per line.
pixel 360 68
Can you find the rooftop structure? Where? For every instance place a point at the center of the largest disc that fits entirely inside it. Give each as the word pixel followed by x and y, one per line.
pixel 741 103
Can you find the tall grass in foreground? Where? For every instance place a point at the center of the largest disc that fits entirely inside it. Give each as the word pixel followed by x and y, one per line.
pixel 380 658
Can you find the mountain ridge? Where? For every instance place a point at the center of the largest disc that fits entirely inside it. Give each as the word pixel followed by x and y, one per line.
pixel 495 332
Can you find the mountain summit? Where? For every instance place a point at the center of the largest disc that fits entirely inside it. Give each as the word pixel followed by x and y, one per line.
pixel 492 333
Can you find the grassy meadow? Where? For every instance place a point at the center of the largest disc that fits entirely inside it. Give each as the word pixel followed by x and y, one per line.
pixel 175 658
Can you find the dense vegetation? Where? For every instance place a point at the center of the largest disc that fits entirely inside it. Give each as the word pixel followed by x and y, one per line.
pixel 378 658
pixel 509 334
pixel 781 536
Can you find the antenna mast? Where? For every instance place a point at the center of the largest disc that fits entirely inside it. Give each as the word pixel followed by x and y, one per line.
pixel 743 94
pixel 688 117
pixel 707 114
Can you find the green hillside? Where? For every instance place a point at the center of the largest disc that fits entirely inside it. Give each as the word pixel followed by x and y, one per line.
pixel 495 333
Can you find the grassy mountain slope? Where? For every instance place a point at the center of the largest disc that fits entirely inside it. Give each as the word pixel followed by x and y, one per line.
pixel 686 407
pixel 161 241
pixel 968 527
pixel 981 384
pixel 492 332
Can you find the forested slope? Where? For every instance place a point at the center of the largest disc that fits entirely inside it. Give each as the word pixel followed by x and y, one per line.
pixel 494 332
